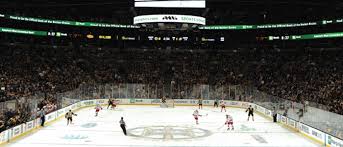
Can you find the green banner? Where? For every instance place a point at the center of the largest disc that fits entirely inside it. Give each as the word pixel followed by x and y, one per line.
pixel 307 36
pixel 67 22
pixel 317 36
pixel 269 26
pixel 228 27
pixel 209 27
pixel 21 31
pixel 291 37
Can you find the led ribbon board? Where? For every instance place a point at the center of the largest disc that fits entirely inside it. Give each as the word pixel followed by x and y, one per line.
pixel 270 26
pixel 67 22
pixel 169 18
pixel 210 27
pixel 22 31
pixel 307 36
pixel 32 32
pixel 171 3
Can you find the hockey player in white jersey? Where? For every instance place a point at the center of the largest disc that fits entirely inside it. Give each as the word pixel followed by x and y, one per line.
pixel 229 122
pixel 97 109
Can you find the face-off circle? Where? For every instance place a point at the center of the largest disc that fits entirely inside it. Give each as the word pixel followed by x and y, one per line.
pixel 169 132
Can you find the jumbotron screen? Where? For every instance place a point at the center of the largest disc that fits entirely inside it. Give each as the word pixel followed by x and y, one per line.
pixel 171 3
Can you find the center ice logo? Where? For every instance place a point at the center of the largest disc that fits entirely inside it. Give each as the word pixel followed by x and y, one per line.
pixel 75 137
pixel 169 132
pixel 89 125
pixel 246 128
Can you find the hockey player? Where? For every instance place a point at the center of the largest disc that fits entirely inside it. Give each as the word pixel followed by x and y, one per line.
pixel 164 100
pixel 97 109
pixel 109 103
pixel 250 111
pixel 229 122
pixel 114 104
pixel 215 103
pixel 200 103
pixel 196 116
pixel 69 117
pixel 222 104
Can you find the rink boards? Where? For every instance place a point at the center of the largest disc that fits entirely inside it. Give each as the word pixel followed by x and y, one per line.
pixel 305 130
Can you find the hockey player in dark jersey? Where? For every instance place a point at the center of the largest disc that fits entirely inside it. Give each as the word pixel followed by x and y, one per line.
pixel 69 117
pixel 215 103
pixel 250 111
pixel 200 103
pixel 109 103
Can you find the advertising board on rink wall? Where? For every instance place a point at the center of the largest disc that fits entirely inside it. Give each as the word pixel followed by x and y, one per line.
pixel 138 101
pixel 333 141
pixel 155 101
pixel 3 136
pixel 325 139
pixel 292 123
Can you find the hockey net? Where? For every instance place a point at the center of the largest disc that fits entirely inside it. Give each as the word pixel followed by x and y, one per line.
pixel 169 103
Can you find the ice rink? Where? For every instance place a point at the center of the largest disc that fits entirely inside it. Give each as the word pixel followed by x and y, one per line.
pixel 155 126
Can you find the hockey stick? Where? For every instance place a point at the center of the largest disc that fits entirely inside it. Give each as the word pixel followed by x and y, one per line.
pixel 204 115
pixel 221 127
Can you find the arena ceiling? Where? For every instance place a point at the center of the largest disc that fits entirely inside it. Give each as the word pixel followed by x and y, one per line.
pixel 240 8
pixel 129 3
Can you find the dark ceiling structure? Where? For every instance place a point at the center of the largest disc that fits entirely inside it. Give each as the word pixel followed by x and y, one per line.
pixel 231 11
pixel 129 3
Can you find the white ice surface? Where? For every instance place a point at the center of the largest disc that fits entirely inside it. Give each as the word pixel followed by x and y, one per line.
pixel 104 130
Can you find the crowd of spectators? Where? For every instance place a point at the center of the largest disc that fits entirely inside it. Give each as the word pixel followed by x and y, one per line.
pixel 316 76
pixel 24 112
